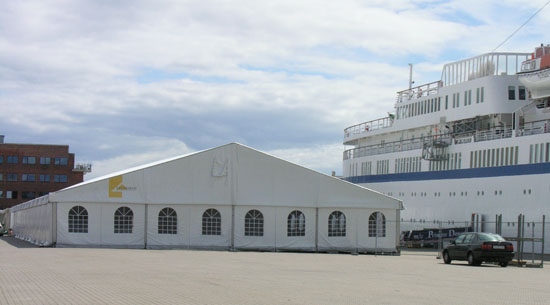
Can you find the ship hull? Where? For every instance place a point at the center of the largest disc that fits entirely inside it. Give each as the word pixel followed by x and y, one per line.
pixel 523 189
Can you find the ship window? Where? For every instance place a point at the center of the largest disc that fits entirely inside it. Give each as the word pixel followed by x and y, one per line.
pixel 454 100
pixel 506 155
pixel 477 95
pixel 541 152
pixel 546 155
pixel 446 101
pixel 466 98
pixel 482 94
pixel 502 156
pixel 438 103
pixel 511 92
pixel 471 159
pixel 484 156
pixel 496 157
pixel 521 92
pixel 516 156
pixel 492 157
pixel 536 153
pixel 457 100
pixel 469 97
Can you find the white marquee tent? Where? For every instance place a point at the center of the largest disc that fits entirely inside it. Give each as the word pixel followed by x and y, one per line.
pixel 229 197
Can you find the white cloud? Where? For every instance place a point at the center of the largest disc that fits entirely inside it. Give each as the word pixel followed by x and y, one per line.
pixel 284 76
pixel 146 150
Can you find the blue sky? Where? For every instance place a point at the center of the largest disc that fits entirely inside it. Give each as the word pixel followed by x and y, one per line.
pixel 130 82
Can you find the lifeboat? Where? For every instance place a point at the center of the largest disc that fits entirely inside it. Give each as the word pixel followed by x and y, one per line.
pixel 535 73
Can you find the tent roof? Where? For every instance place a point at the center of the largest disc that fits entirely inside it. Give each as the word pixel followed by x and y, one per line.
pixel 228 174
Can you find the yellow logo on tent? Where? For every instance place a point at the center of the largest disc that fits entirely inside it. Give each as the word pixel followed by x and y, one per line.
pixel 115 186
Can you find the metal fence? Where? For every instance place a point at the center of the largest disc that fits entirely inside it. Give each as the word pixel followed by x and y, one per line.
pixel 527 235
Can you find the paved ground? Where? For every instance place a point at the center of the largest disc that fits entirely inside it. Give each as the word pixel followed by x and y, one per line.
pixel 30 275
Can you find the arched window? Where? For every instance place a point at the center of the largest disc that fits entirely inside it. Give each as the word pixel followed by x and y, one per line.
pixel 296 224
pixel 124 220
pixel 337 224
pixel 377 225
pixel 78 220
pixel 211 222
pixel 168 221
pixel 254 223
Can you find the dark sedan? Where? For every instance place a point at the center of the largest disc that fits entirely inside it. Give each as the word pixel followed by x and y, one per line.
pixel 479 247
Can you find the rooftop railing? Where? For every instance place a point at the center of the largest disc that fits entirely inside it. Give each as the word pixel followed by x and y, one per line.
pixel 419 91
pixel 368 126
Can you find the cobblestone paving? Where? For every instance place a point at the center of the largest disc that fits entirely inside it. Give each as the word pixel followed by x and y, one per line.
pixel 30 275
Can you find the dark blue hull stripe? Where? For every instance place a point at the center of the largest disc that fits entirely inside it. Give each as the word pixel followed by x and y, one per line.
pixel 500 171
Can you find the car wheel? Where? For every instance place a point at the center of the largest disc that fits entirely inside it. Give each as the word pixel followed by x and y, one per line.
pixel 471 260
pixel 446 257
pixel 504 264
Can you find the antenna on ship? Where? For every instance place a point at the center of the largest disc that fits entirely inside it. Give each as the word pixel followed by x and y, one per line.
pixel 410 76
pixel 521 26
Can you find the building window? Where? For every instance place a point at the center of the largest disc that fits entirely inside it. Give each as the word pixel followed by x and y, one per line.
pixel 60 178
pixel 211 222
pixel 1 194
pixel 28 195
pixel 11 194
pixel 13 160
pixel 1 177
pixel 11 177
pixel 124 220
pixel 336 224
pixel 296 224
pixel 254 223
pixel 40 194
pixel 28 177
pixel 168 221
pixel 511 92
pixel 29 160
pixel 521 92
pixel 1 159
pixel 44 178
pixel 60 161
pixel 45 160
pixel 78 220
pixel 377 225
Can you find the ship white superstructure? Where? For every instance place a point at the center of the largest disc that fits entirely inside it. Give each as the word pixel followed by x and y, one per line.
pixel 476 142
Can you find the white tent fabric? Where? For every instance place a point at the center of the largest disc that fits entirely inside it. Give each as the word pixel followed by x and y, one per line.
pixel 232 179
pixel 33 221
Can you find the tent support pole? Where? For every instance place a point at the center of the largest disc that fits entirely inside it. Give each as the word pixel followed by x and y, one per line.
pixel 232 227
pixel 54 223
pixel 145 228
pixel 316 229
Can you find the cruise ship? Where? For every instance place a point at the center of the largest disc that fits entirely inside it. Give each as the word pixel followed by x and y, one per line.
pixel 475 143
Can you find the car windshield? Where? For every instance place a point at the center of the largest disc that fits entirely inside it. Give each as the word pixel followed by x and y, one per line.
pixel 490 237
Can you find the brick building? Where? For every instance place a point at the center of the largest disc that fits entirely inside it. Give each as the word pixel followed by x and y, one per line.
pixel 28 171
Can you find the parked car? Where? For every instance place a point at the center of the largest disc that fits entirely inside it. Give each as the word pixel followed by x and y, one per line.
pixel 479 247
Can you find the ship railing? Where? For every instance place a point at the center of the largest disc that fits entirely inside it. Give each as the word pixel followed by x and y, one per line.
pixel 368 126
pixel 529 131
pixel 419 91
pixel 396 146
pixel 492 134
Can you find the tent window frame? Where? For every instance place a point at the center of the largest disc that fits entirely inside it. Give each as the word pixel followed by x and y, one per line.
pixel 296 224
pixel 78 220
pixel 377 225
pixel 337 224
pixel 254 223
pixel 168 221
pixel 123 220
pixel 211 222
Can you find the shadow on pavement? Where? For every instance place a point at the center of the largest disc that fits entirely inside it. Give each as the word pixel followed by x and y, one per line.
pixel 12 241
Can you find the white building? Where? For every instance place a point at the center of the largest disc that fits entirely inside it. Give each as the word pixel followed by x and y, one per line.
pixel 229 197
